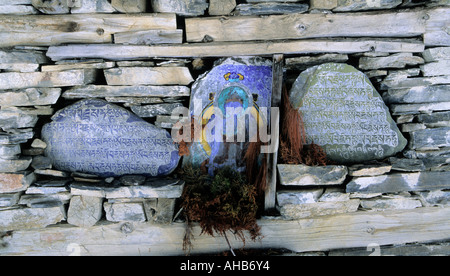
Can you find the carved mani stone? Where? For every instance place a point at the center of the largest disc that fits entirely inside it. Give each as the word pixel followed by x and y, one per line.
pixel 343 113
pixel 94 136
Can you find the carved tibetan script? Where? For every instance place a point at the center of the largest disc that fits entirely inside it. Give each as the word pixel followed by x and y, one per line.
pixel 94 136
pixel 344 113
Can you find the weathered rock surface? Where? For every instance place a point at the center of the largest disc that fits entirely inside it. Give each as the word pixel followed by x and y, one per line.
pixel 101 91
pixel 41 163
pixel 358 5
pixel 438 68
pixel 354 5
pixel 21 61
pixel 343 113
pixel 393 183
pixel 94 136
pixel 14 118
pixel 18 10
pixel 436 54
pixel 430 139
pixel 395 203
pixel 52 6
pixel 85 211
pixel 132 180
pixel 47 187
pixel 369 170
pixel 9 151
pixel 307 210
pixel 270 8
pixel 160 210
pixel 435 198
pixel 333 195
pixel 47 79
pixel 15 165
pixel 407 165
pixel 221 7
pixel 298 197
pixel 130 6
pixel 18 137
pixel 301 175
pixel 35 200
pixel 148 76
pixel 150 111
pixel 93 6
pixel 8 200
pixel 124 212
pixel 156 188
pixel 302 63
pixel 30 97
pixel 436 119
pixel 180 7
pixel 29 218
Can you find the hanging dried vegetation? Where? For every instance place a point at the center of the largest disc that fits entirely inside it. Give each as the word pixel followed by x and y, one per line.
pixel 293 148
pixel 225 202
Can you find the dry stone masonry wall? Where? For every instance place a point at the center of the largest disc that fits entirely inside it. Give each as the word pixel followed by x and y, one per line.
pixel 87 89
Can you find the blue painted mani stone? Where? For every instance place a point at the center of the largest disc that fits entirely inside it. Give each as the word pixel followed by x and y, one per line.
pixel 232 104
pixel 94 136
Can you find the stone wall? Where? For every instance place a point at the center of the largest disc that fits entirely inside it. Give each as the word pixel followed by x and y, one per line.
pixel 145 55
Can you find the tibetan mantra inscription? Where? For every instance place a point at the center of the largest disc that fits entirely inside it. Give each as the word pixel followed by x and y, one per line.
pixel 343 113
pixel 94 136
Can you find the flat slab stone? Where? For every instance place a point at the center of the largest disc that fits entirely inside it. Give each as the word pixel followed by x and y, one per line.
pixel 33 200
pixel 10 151
pixel 13 118
pixel 396 203
pixel 8 200
pixel 15 165
pixel 435 197
pixel 421 181
pixel 21 61
pixel 16 138
pixel 270 8
pixel 180 7
pixel 301 175
pixel 221 7
pixel 16 182
pixel 430 139
pixel 369 170
pixel 117 212
pixel 29 218
pixel 306 210
pixel 357 5
pixel 343 113
pixel 85 211
pixel 221 99
pixel 160 210
pixel 298 197
pixel 154 188
pixel 96 137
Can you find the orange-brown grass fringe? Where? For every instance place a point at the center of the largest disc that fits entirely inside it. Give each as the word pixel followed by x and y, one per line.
pixel 293 148
pixel 187 138
pixel 225 202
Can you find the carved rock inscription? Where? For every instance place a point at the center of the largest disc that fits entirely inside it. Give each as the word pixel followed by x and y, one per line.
pixel 94 136
pixel 343 113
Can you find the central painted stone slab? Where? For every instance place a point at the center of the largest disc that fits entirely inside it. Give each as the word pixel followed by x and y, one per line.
pixel 94 136
pixel 230 103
